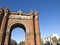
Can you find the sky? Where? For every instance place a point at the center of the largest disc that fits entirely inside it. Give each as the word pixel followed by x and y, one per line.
pixel 49 14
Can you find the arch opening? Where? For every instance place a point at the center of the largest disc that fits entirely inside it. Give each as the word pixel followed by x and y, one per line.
pixel 18 35
pixel 18 25
pixel 19 28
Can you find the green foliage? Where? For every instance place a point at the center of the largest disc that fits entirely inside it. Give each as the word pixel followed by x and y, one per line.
pixel 22 43
pixel 59 40
pixel 54 39
pixel 13 42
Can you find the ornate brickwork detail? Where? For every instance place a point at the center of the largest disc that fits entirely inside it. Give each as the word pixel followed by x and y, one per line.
pixel 20 17
pixel 36 34
pixel 27 21
pixel 36 17
pixel 8 27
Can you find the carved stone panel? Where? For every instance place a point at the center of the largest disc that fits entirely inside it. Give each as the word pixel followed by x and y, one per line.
pixel 19 16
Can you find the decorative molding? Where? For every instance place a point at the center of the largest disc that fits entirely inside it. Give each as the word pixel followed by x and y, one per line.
pixel 19 11
pixel 36 34
pixel 20 17
pixel 30 33
pixel 26 26
pixel 36 17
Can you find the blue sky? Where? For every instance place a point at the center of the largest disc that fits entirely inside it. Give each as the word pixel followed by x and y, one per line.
pixel 49 14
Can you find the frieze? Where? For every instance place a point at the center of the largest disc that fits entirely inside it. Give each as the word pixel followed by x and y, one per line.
pixel 20 16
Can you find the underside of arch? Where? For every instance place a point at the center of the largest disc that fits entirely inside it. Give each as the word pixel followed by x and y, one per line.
pixel 13 25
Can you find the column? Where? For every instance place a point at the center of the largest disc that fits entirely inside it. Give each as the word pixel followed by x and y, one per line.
pixel 1 17
pixel 7 39
pixel 37 33
pixel 31 33
pixel 32 38
pixel 37 30
pixel 3 26
pixel 26 39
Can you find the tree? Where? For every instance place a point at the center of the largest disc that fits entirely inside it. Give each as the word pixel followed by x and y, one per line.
pixel 54 39
pixel 22 43
pixel 13 42
pixel 58 42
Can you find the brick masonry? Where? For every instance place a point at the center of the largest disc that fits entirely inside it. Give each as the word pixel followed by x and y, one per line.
pixel 27 21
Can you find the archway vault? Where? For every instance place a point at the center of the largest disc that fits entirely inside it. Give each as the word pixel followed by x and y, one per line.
pixel 27 21
pixel 18 35
pixel 17 24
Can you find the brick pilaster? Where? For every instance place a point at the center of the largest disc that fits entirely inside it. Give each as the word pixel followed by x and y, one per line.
pixel 37 30
pixel 6 39
pixel 3 27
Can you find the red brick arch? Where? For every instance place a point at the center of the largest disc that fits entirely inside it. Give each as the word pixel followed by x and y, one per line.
pixel 28 21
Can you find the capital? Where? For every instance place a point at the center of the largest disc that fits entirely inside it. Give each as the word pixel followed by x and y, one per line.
pixel 35 13
pixel 31 12
pixel 2 9
pixel 7 11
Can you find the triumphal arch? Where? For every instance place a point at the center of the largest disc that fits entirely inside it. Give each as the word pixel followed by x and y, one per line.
pixel 28 21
